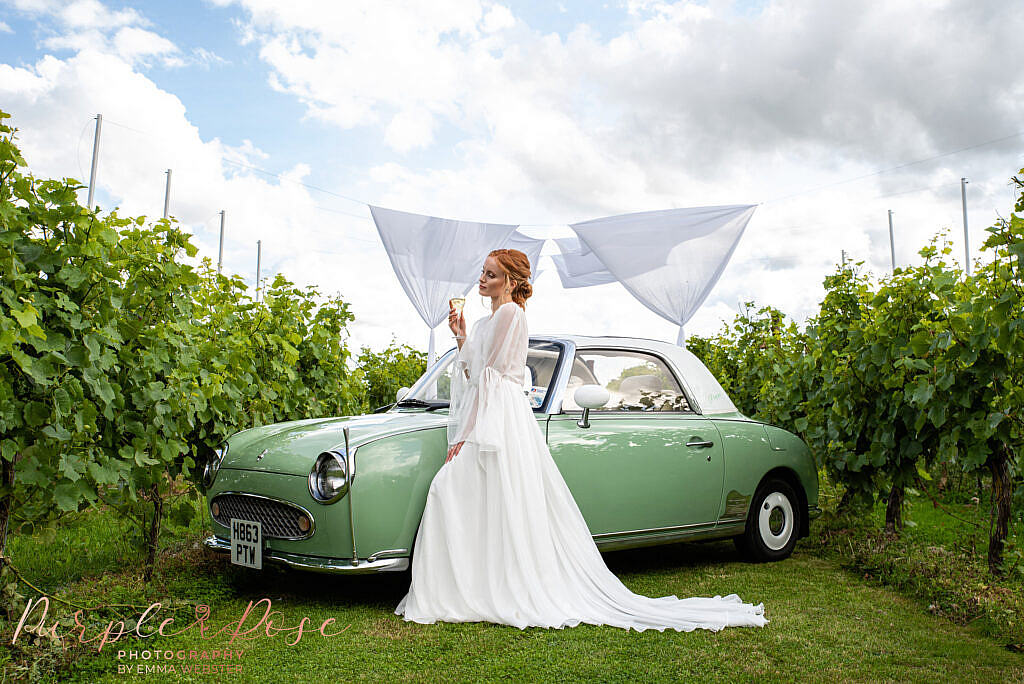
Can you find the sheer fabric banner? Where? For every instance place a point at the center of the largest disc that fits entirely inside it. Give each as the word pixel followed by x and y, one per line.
pixel 529 246
pixel 578 266
pixel 436 259
pixel 670 259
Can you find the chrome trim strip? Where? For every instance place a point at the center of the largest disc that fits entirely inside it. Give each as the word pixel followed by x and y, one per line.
pixel 440 426
pixel 575 414
pixel 552 400
pixel 315 563
pixel 405 431
pixel 312 520
pixel 688 533
pixel 382 554
pixel 560 378
pixel 350 466
pixel 655 530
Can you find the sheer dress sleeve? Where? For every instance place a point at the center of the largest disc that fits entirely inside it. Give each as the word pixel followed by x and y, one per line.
pixel 488 370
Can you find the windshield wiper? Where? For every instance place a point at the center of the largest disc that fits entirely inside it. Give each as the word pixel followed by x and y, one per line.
pixel 429 405
pixel 413 402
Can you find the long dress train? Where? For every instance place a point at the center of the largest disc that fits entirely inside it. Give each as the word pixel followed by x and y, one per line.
pixel 501 538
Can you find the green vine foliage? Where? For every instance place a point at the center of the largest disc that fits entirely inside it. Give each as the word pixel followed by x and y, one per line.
pixel 61 324
pixel 889 380
pixel 749 356
pixel 387 371
pixel 122 366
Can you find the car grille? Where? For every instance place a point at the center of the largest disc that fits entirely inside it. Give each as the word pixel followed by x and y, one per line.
pixel 277 519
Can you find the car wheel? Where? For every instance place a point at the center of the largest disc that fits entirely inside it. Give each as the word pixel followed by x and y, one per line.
pixel 773 523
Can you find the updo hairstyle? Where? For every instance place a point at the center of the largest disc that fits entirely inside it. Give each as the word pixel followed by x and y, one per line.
pixel 516 266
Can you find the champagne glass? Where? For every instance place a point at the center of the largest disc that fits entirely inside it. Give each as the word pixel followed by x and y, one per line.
pixel 457 303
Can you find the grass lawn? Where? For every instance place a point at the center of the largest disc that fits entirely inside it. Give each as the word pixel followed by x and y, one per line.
pixel 939 558
pixel 825 622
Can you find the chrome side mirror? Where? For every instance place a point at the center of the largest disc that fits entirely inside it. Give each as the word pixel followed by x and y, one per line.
pixel 589 397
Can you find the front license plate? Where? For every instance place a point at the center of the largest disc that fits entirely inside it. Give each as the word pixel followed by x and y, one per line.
pixel 246 543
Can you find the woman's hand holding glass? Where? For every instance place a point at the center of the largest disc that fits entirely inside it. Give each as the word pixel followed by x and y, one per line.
pixel 457 323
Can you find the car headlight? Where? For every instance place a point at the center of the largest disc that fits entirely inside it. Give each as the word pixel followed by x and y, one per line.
pixel 213 465
pixel 328 480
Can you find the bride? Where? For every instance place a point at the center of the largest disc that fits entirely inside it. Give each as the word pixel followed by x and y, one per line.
pixel 501 538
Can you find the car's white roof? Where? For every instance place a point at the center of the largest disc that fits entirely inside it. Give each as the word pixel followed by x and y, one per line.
pixel 699 381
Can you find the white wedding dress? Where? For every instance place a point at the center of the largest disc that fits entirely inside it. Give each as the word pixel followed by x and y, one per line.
pixel 501 538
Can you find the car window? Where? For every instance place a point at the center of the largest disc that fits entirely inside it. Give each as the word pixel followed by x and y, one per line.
pixel 541 361
pixel 636 381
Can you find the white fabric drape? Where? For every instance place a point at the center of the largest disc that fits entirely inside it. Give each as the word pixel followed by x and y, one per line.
pixel 436 259
pixel 578 266
pixel 529 246
pixel 670 259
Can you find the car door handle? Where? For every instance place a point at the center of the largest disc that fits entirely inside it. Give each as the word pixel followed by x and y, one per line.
pixel 702 444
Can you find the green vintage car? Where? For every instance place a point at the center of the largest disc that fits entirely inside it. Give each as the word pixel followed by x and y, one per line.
pixel 651 447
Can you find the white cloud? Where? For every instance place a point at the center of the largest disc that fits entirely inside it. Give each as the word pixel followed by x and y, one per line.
pixel 91 14
pixel 248 153
pixel 410 129
pixel 146 131
pixel 687 87
pixel 686 105
pixel 35 6
pixel 136 45
pixel 90 25
pixel 89 39
pixel 27 84
pixel 204 58
pixel 4 28
pixel 498 18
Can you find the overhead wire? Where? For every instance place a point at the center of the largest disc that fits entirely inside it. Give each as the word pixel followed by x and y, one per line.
pixel 297 182
pixel 907 192
pixel 363 203
pixel 895 168
pixel 872 174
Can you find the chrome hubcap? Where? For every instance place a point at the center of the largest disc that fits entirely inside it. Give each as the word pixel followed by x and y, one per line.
pixel 775 521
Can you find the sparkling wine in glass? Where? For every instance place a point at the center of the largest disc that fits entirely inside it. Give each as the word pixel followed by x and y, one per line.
pixel 457 303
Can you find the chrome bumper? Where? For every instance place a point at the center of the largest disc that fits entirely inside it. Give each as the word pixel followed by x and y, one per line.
pixel 813 512
pixel 317 564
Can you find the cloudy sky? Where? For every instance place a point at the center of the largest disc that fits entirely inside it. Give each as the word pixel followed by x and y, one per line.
pixel 290 116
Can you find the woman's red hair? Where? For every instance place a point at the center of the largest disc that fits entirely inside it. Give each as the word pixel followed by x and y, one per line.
pixel 516 266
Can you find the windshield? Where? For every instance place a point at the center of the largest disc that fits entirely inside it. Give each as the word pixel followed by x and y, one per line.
pixel 433 389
